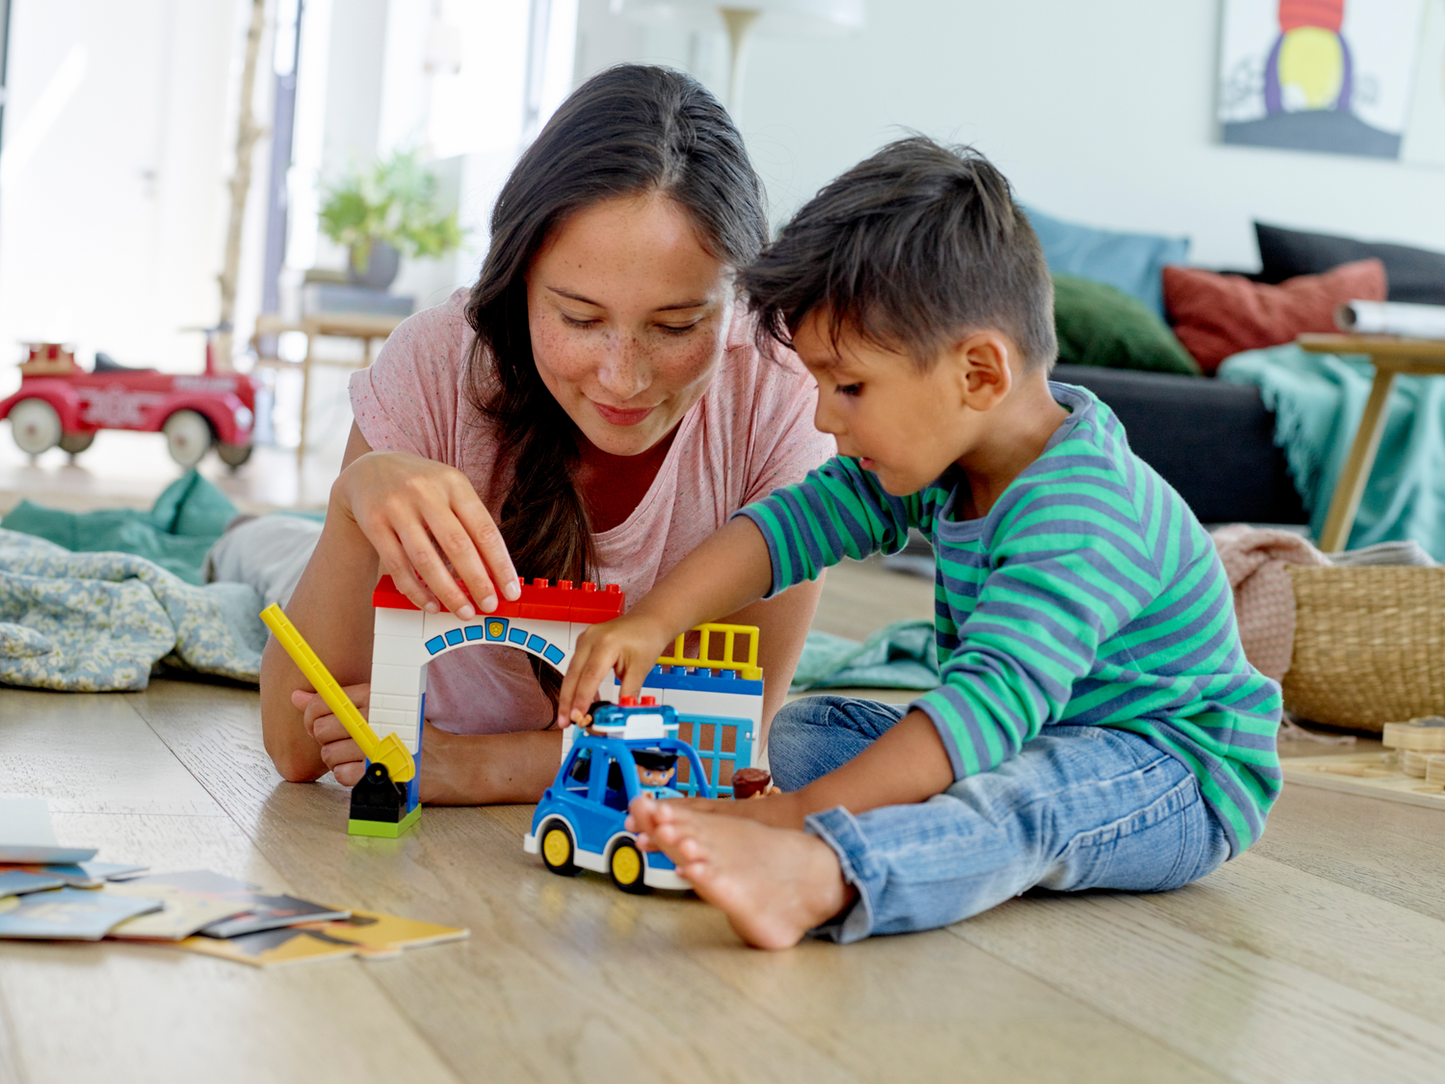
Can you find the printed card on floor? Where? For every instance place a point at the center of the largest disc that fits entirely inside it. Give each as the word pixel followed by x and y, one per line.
pixel 271 913
pixel 84 874
pixel 273 948
pixel 68 913
pixel 17 882
pixel 365 933
pixel 375 934
pixel 26 835
pixel 193 899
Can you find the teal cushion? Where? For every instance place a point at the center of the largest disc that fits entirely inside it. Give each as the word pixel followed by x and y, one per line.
pixel 1099 325
pixel 1132 262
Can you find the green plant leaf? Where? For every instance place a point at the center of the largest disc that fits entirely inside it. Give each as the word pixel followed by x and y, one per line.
pixel 392 200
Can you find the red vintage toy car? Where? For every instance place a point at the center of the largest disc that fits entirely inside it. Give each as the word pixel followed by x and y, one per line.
pixel 61 403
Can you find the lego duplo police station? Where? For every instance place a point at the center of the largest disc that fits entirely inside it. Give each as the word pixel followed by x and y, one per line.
pixel 716 688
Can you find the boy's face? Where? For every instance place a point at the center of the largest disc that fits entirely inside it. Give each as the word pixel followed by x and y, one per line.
pixel 905 426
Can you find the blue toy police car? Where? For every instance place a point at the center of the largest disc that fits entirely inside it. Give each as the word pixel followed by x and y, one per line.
pixel 632 749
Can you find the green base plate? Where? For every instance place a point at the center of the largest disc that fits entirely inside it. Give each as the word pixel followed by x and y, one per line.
pixel 384 829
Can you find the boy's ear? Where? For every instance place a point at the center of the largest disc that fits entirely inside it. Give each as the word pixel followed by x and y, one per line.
pixel 981 362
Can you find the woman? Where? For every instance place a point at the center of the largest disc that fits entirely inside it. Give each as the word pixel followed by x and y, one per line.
pixel 592 410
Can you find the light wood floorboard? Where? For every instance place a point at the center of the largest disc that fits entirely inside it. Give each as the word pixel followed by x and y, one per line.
pixel 1319 956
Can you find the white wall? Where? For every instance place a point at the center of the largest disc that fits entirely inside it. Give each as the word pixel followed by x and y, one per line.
pixel 1100 113
pixel 119 128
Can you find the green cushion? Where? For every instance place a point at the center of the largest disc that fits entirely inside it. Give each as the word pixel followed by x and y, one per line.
pixel 1100 325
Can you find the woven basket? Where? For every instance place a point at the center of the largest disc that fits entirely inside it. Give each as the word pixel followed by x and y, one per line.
pixel 1369 645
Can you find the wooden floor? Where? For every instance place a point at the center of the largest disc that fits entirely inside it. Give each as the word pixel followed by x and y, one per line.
pixel 1318 956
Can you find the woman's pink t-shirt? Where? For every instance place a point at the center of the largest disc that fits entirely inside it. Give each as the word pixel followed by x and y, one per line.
pixel 751 432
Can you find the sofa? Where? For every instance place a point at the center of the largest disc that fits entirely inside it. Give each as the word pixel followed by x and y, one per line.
pixel 1145 333
pixel 1211 441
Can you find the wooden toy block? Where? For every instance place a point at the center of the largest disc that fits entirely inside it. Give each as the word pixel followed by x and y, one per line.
pixel 1435 771
pixel 1425 735
pixel 1374 775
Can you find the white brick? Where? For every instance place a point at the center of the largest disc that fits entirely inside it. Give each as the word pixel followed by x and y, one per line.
pixel 442 622
pixel 393 702
pixel 397 680
pixel 407 735
pixel 406 623
pixel 399 651
pixel 382 717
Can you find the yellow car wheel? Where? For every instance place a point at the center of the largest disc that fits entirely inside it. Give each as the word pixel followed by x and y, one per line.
pixel 558 850
pixel 628 867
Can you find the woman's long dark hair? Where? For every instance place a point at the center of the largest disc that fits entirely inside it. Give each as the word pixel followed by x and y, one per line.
pixel 627 131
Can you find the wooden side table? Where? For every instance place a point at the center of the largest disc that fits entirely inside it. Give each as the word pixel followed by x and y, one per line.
pixel 341 325
pixel 1390 355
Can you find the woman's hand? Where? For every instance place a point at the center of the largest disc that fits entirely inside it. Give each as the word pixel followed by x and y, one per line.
pixel 628 646
pixel 422 516
pixel 345 759
pixel 339 752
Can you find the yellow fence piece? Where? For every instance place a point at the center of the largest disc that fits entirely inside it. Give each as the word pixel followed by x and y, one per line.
pixel 388 751
pixel 747 669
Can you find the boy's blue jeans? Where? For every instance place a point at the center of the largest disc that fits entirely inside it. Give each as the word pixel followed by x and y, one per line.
pixel 1079 807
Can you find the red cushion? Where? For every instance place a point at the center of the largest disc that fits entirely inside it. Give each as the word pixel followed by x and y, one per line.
pixel 1218 315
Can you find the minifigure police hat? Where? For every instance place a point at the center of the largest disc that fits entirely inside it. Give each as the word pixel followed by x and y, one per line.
pixel 653 760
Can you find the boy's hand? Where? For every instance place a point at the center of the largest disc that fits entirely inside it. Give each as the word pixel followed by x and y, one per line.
pixel 338 751
pixel 628 646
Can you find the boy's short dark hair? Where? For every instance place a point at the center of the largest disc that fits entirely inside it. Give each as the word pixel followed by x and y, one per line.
pixel 907 249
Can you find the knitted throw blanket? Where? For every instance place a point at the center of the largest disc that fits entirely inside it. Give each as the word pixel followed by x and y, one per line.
pixel 1257 562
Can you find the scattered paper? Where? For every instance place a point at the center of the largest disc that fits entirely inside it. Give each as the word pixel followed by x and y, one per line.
pixel 17 882
pixel 26 835
pixel 68 913
pixel 366 933
pixel 84 874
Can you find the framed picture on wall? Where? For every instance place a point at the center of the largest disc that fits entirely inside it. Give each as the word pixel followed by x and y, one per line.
pixel 1319 75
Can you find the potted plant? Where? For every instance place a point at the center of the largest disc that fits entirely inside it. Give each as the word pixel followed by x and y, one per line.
pixel 384 211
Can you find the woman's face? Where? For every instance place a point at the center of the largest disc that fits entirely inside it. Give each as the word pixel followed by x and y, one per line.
pixel 629 317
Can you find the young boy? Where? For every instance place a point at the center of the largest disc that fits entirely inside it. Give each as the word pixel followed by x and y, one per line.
pixel 1097 726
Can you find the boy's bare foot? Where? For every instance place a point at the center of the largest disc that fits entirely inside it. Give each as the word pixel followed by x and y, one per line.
pixel 773 884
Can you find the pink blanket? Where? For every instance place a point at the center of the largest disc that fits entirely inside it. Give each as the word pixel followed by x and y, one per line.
pixel 1256 560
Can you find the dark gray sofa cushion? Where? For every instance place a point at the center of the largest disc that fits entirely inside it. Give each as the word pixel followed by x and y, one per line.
pixel 1212 442
pixel 1413 274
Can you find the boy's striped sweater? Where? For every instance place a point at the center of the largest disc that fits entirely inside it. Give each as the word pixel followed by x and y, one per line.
pixel 1088 595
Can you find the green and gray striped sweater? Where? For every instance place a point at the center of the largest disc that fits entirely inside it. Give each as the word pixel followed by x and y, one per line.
pixel 1088 595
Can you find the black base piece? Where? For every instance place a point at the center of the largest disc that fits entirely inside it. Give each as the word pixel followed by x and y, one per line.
pixel 377 798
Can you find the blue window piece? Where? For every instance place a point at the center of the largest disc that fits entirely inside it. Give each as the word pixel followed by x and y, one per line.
pixel 474 632
pixel 554 655
pixel 496 628
pixel 435 644
pixel 454 636
pixel 536 643
pixel 517 636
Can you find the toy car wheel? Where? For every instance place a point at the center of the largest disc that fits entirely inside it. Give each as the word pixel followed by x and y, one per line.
pixel 233 455
pixel 188 437
pixel 558 850
pixel 75 443
pixel 628 867
pixel 35 426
